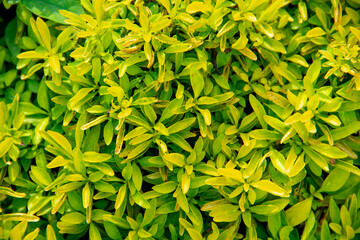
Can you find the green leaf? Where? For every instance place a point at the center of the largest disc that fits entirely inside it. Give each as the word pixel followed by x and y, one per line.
pixel 30 109
pixel 356 32
pixel 73 218
pixel 299 60
pixel 11 193
pixel 19 217
pixel 158 26
pixel 75 100
pixel 221 81
pixel 197 82
pixel 347 166
pixel 215 232
pixel 108 132
pixel 259 110
pixel 288 75
pixel 3 113
pixel 255 161
pixel 150 113
pixel 127 172
pixel 178 48
pixel 329 151
pixel 322 17
pixel 271 10
pixel 206 115
pixel 50 8
pixel 168 207
pixel 60 140
pixel 175 158
pixel 181 125
pixel 264 209
pixel 317 158
pixel 278 160
pixel 230 173
pixel 180 141
pixel 120 196
pixel 274 222
pixel 334 211
pixel 299 212
pixel 78 161
pixel 325 231
pixel 50 233
pixel 269 208
pixel 135 133
pixel 140 200
pixel 273 45
pixel 298 166
pixel 270 187
pixel 69 187
pixel 18 231
pixel 194 234
pixel 336 228
pixel 143 234
pixel 345 217
pixel 225 213
pixel 182 201
pixel 94 233
pixel 139 150
pixel 311 76
pixel 102 186
pixel 95 157
pixel 263 134
pixel 136 176
pixel 32 235
pixel 5 146
pixel 11 38
pixel 149 214
pixel 332 119
pixel 42 96
pixel 343 132
pixel 309 226
pixel 195 7
pixel 315 32
pixel 166 187
pixel 41 175
pixel 139 121
pixel 103 167
pixel 111 230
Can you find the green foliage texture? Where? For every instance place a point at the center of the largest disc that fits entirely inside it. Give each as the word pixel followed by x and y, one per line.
pixel 171 119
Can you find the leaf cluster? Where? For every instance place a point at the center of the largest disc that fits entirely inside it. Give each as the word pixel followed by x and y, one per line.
pixel 176 119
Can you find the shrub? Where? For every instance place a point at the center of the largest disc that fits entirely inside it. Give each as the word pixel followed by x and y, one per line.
pixel 180 119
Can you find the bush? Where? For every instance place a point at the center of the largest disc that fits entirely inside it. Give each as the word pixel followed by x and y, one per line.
pixel 180 119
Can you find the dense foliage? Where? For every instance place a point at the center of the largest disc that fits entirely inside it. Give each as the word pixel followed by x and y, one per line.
pixel 174 119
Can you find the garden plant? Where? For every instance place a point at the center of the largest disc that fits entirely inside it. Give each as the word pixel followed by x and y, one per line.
pixel 180 119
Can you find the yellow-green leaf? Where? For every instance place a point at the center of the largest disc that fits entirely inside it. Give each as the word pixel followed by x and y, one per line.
pixel 270 187
pixel 50 233
pixel 315 32
pixel 18 231
pixel 299 212
pixel 44 33
pixel 197 82
pixel 5 146
pixel 19 217
pixel 259 110
pixel 329 151
pixel 95 157
pixel 41 175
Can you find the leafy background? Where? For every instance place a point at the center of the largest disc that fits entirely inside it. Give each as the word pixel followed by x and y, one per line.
pixel 179 119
